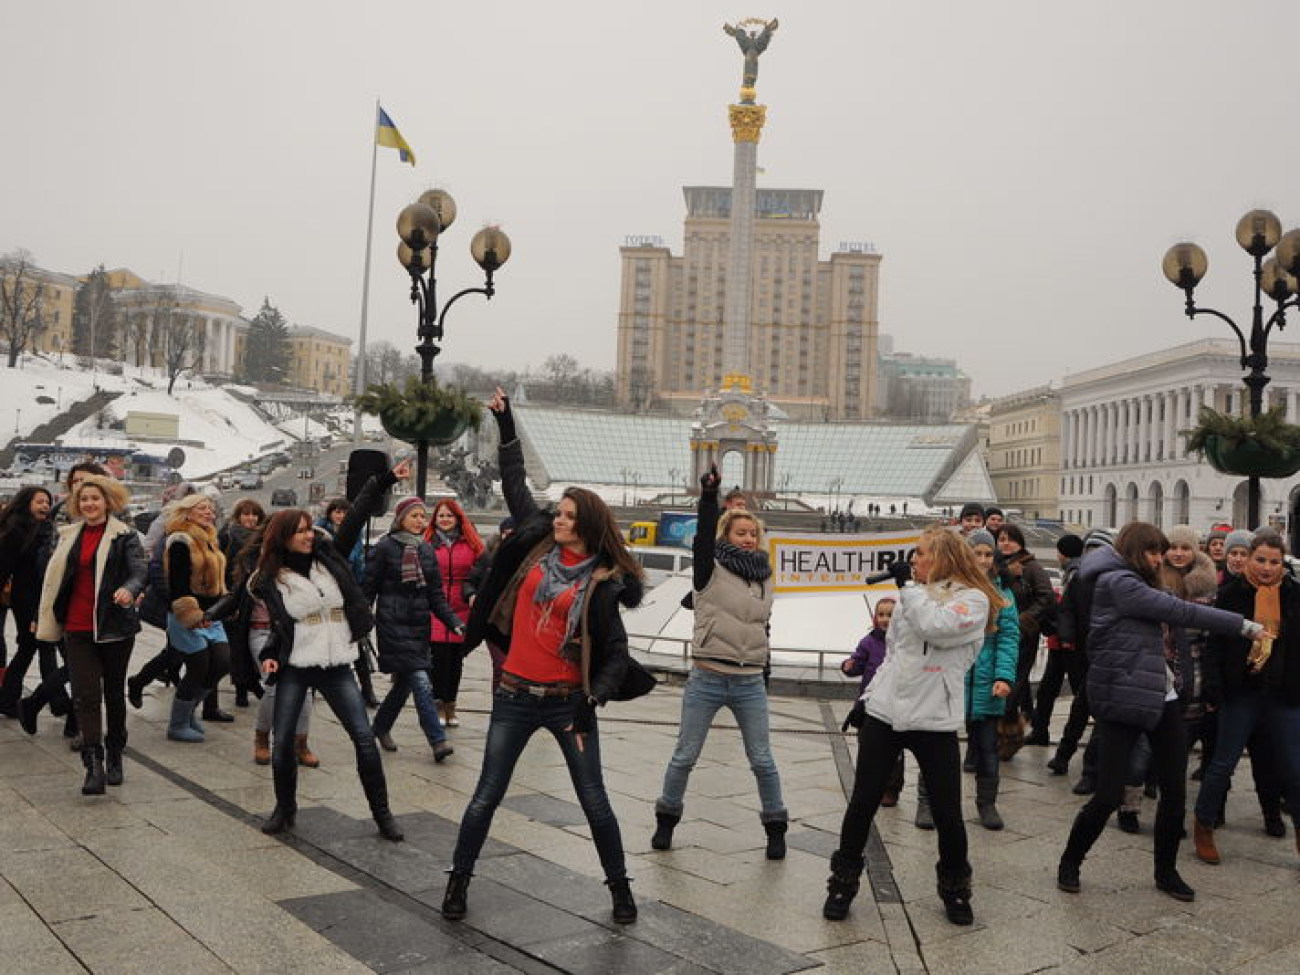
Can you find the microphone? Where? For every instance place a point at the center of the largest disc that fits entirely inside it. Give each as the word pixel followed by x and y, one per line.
pixel 878 577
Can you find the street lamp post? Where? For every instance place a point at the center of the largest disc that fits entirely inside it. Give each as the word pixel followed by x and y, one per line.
pixel 1258 232
pixel 419 226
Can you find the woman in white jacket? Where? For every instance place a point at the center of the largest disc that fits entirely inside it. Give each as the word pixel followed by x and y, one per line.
pixel 917 701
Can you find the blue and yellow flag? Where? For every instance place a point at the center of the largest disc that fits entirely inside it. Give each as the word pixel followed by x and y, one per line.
pixel 386 134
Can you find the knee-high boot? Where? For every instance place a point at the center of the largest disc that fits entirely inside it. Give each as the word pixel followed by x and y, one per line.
pixel 986 799
pixel 924 818
pixel 376 789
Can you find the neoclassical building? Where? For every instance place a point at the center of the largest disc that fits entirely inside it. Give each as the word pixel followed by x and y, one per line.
pixel 1122 453
pixel 149 313
pixel 1023 451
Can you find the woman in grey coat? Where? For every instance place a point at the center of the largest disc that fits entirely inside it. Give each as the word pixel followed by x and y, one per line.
pixel 1134 681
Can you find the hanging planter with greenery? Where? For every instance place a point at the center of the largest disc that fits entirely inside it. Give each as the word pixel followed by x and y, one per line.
pixel 1261 446
pixel 419 411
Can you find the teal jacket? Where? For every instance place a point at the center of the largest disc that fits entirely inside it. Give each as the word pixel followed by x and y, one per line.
pixel 995 661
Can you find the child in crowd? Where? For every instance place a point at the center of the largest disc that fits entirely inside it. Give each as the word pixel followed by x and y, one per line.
pixel 863 663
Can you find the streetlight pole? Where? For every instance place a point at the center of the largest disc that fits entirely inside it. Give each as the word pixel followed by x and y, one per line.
pixel 1258 232
pixel 419 226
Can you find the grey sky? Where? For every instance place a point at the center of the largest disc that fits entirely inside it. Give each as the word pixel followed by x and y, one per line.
pixel 1021 164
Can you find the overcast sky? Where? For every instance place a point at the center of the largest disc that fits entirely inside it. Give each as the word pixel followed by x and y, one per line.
pixel 1022 165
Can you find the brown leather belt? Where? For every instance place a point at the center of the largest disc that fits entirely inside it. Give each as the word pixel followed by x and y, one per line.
pixel 516 686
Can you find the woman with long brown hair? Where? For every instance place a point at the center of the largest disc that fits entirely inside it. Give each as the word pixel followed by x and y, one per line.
pixel 457 545
pixel 1134 680
pixel 916 701
pixel 317 614
pixel 552 600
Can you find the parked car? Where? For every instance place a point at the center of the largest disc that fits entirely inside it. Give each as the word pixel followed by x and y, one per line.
pixel 284 498
pixel 251 481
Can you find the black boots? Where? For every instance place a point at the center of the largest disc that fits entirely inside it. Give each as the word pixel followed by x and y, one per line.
pixel 924 818
pixel 455 902
pixel 986 798
pixel 954 891
pixel 113 762
pixel 213 712
pixel 281 818
pixel 388 827
pixel 842 887
pixel 368 694
pixel 624 907
pixel 776 830
pixel 92 756
pixel 665 823
pixel 135 691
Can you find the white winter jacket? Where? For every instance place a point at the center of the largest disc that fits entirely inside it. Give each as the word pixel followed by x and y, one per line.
pixel 933 638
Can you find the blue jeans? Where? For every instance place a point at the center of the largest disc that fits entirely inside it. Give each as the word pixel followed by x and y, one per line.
pixel 1239 715
pixel 417 683
pixel 339 688
pixel 706 693
pixel 516 715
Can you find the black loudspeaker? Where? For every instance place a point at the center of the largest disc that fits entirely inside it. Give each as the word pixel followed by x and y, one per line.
pixel 362 466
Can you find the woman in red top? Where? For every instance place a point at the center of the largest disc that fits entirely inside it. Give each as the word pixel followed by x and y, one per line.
pixel 97 570
pixel 457 546
pixel 551 600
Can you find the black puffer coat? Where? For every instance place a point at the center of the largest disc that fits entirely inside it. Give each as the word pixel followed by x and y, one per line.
pixel 608 663
pixel 1225 672
pixel 1127 676
pixel 402 608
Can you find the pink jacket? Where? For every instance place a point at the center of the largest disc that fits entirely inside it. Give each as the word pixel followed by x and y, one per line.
pixel 454 563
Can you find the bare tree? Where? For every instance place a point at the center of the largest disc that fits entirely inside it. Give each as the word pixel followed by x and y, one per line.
pixel 22 302
pixel 183 342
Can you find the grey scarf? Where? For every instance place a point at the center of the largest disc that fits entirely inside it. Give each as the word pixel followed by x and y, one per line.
pixel 412 571
pixel 556 578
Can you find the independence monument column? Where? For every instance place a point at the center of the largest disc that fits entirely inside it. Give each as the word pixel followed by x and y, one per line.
pixel 735 418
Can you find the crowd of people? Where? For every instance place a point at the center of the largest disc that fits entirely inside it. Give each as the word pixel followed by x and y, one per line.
pixel 1166 641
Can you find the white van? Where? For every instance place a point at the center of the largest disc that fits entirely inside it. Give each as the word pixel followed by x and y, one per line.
pixel 660 561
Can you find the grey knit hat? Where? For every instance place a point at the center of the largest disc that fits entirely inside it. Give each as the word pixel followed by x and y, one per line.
pixel 1237 538
pixel 981 536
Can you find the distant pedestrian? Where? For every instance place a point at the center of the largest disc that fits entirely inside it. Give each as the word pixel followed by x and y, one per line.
pixel 1036 603
pixel 457 546
pixel 863 664
pixel 26 537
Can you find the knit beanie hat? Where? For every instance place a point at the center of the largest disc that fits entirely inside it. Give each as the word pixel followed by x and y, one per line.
pixel 1098 538
pixel 1218 531
pixel 971 508
pixel 981 536
pixel 1183 536
pixel 1237 538
pixel 404 508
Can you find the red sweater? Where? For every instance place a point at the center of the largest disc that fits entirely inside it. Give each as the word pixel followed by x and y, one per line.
pixel 81 602
pixel 538 629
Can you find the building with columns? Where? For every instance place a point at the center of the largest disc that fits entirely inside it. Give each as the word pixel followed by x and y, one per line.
pixel 150 315
pixel 1023 451
pixel 1122 453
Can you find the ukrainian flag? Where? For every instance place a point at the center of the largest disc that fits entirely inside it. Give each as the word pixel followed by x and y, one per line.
pixel 387 135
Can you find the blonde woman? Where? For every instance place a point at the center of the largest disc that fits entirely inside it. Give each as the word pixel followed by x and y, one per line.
pixel 733 603
pixel 916 701
pixel 97 570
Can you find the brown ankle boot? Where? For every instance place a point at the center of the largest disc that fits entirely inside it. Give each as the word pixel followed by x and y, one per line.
pixel 305 757
pixel 1203 837
pixel 262 747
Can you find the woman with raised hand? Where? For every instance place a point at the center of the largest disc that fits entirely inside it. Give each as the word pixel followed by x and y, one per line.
pixel 732 586
pixel 1134 680
pixel 317 614
pixel 551 600
pixel 403 580
pixel 916 702
pixel 94 575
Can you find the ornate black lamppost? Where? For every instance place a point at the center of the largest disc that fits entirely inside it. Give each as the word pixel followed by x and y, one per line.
pixel 1258 233
pixel 419 225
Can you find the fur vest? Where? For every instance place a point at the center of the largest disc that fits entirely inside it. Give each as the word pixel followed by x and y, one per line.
pixel 322 637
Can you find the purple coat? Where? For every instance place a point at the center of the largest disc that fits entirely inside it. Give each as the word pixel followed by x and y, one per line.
pixel 867 658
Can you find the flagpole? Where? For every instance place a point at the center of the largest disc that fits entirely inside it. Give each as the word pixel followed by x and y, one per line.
pixel 359 385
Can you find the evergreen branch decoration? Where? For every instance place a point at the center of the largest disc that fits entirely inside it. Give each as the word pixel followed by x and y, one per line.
pixel 1269 431
pixel 418 406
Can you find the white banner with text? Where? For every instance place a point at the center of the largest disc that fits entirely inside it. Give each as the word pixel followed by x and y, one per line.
pixel 804 563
